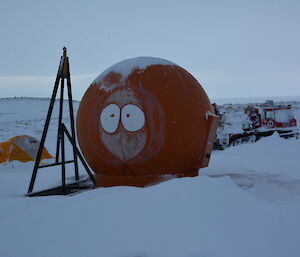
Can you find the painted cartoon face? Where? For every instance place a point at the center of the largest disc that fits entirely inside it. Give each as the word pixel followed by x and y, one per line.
pixel 123 125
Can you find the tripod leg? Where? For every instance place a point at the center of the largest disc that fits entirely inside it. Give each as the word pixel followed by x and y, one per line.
pixel 63 166
pixel 72 126
pixel 79 154
pixel 61 102
pixel 40 150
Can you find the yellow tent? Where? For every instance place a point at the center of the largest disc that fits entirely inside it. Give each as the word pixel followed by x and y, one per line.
pixel 21 148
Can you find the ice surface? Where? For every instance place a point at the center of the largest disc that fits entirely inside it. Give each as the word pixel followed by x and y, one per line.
pixel 271 161
pixel 245 204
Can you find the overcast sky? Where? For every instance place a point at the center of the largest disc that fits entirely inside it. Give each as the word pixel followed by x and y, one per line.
pixel 234 48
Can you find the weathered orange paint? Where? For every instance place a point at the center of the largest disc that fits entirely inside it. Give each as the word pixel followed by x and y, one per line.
pixel 175 139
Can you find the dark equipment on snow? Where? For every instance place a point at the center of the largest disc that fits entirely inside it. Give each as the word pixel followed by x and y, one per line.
pixel 62 74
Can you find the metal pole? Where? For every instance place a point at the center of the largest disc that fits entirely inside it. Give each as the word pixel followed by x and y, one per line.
pixel 79 154
pixel 42 142
pixel 72 124
pixel 60 118
pixel 63 166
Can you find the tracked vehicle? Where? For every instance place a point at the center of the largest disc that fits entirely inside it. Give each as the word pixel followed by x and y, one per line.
pixel 244 124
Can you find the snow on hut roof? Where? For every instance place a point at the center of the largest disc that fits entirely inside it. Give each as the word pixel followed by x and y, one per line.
pixel 127 66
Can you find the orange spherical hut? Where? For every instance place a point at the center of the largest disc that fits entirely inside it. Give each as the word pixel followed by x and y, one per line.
pixel 145 120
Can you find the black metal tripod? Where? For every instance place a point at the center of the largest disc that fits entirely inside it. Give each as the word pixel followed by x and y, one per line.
pixel 62 74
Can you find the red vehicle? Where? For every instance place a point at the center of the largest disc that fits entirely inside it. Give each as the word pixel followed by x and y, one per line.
pixel 278 117
pixel 269 117
pixel 264 120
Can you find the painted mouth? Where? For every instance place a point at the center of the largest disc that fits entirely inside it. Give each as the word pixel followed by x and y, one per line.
pixel 125 145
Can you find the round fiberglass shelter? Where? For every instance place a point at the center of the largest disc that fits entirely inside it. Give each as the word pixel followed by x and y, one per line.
pixel 145 120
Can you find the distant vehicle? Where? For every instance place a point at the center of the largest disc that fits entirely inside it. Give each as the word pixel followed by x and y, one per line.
pixel 263 120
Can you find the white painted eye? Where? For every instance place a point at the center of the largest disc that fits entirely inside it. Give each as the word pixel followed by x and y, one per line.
pixel 110 117
pixel 132 117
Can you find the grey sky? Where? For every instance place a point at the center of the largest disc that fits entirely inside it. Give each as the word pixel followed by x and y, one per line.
pixel 234 48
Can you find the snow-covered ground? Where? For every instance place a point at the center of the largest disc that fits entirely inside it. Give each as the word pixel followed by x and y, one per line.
pixel 246 203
